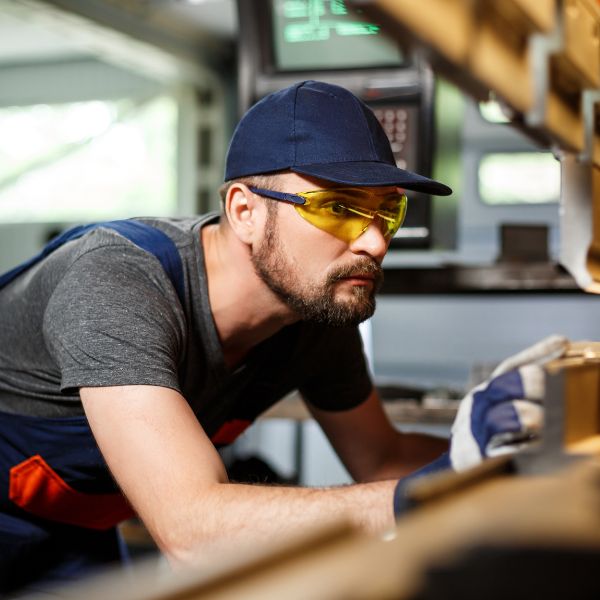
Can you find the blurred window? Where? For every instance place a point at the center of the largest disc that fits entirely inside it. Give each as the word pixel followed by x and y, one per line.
pixel 88 161
pixel 519 178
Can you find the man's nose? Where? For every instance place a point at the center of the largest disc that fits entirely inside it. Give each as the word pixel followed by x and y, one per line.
pixel 372 241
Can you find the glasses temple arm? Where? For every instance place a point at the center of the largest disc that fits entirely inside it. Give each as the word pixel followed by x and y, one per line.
pixel 293 198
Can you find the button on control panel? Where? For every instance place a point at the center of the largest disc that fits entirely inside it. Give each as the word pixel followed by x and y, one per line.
pixel 399 124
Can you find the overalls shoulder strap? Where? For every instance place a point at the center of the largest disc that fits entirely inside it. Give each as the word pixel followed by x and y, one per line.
pixel 51 468
pixel 143 235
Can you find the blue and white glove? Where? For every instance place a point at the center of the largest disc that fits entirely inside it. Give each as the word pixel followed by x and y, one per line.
pixel 501 416
pixel 504 414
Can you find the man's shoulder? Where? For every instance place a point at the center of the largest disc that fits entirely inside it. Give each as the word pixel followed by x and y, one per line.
pixel 180 228
pixel 111 236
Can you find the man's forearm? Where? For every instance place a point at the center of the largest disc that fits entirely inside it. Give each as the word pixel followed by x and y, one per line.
pixel 371 447
pixel 176 481
pixel 231 516
pixel 406 453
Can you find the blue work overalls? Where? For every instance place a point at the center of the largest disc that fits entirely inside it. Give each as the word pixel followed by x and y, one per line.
pixel 58 503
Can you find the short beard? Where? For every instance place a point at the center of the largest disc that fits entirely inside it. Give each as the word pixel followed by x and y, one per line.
pixel 316 303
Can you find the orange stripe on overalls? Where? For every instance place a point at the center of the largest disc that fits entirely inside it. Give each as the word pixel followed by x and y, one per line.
pixel 36 488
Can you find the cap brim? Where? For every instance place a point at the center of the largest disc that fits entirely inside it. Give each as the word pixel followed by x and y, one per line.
pixel 370 174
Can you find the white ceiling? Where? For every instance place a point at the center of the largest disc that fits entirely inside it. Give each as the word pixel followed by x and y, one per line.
pixel 24 40
pixel 28 34
pixel 217 16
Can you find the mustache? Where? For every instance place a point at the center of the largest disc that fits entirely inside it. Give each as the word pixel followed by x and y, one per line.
pixel 363 266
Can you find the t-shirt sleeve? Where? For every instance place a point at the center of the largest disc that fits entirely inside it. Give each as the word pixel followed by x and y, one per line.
pixel 114 319
pixel 337 377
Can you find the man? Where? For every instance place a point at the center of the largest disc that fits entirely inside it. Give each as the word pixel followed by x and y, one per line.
pixel 166 368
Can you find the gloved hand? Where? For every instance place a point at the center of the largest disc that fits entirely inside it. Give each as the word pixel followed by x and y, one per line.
pixel 504 414
pixel 500 416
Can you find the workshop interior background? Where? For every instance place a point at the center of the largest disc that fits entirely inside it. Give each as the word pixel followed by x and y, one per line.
pixel 118 109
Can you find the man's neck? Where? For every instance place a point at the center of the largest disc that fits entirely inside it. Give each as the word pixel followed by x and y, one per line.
pixel 245 311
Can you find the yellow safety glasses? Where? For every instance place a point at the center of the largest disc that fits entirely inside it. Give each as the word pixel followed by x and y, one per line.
pixel 345 213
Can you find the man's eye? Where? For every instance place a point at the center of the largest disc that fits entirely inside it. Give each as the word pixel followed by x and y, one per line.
pixel 336 209
pixel 390 206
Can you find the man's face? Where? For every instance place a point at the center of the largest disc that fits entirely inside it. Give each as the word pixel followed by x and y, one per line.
pixel 321 278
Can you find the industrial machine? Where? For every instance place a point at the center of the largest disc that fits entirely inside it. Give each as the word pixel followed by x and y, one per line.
pixel 541 60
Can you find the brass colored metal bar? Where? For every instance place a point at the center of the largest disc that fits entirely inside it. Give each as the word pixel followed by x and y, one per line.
pixel 581 48
pixel 572 401
pixel 429 489
pixel 564 121
pixel 540 14
pixel 582 410
pixel 501 63
pixel 446 25
pixel 593 255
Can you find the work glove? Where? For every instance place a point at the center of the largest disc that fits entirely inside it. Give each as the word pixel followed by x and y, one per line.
pixel 504 414
pixel 500 416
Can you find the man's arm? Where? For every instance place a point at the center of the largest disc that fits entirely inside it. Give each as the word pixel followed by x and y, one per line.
pixel 370 447
pixel 174 478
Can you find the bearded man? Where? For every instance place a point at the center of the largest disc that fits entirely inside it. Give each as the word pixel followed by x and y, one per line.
pixel 131 351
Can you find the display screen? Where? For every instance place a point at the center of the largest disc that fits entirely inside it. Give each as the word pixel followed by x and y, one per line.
pixel 326 34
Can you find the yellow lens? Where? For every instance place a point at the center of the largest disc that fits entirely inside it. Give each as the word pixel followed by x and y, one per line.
pixel 347 212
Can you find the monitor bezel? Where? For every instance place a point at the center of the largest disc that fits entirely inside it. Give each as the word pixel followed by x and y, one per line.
pixel 273 67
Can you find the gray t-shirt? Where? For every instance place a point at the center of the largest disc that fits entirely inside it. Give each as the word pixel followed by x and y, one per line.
pixel 100 311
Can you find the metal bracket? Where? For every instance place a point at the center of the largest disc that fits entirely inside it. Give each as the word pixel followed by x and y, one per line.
pixel 576 218
pixel 541 47
pixel 589 100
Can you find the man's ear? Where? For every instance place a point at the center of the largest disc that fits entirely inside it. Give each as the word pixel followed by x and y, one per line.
pixel 244 211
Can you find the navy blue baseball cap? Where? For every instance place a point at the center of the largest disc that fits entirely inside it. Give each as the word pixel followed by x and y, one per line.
pixel 321 130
